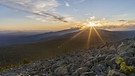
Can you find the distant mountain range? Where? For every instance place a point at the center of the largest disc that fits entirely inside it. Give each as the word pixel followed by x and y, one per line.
pixel 19 37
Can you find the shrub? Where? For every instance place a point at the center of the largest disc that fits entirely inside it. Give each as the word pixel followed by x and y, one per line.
pixel 7 67
pixel 26 61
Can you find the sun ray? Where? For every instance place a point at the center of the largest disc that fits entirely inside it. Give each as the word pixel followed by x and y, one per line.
pixel 99 35
pixel 80 32
pixel 89 37
pixel 77 34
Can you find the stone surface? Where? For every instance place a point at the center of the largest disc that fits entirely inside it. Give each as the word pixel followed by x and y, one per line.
pixel 80 70
pixel 60 71
pixel 91 62
pixel 115 73
pixel 87 74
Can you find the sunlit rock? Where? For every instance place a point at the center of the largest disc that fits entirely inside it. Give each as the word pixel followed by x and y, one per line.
pixel 60 71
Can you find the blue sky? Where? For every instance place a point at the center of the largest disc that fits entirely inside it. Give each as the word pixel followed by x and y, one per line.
pixel 16 15
pixel 100 8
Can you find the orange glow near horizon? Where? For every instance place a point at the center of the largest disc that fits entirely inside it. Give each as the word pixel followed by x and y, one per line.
pixel 21 26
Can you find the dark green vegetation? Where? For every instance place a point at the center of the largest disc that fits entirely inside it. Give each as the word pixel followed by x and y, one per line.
pixel 24 53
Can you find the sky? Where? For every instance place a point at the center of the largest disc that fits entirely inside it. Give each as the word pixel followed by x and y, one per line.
pixel 64 14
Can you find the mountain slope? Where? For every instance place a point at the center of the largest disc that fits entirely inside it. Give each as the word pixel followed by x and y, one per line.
pixel 57 46
pixel 117 59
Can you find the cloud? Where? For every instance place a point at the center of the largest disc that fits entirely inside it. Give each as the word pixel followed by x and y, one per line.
pixel 122 20
pixel 119 24
pixel 43 9
pixel 103 19
pixel 67 4
pixel 92 18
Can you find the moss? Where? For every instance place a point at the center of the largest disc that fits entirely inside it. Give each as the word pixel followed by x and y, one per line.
pixel 127 69
pixel 119 60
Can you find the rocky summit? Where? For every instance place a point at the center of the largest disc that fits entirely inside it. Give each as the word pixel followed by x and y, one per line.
pixel 112 59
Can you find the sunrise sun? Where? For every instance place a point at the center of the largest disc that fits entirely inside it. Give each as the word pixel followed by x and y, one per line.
pixel 91 24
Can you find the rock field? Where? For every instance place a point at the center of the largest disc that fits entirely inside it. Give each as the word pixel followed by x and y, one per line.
pixel 113 59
